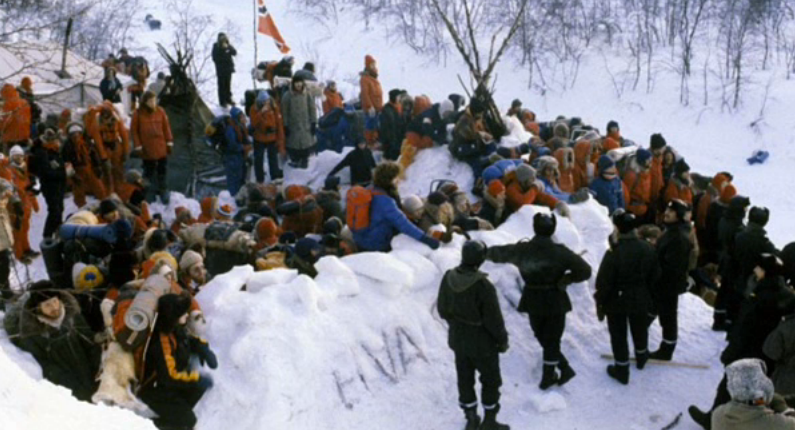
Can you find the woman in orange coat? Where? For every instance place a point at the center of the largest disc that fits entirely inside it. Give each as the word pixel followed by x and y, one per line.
pixel 523 190
pixel 679 184
pixel 21 180
pixel 111 138
pixel 15 119
pixel 151 133
pixel 372 99
pixel 79 166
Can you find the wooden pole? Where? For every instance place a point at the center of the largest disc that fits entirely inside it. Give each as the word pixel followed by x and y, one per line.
pixel 63 74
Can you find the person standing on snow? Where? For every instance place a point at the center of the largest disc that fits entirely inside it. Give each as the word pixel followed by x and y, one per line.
pixel 223 52
pixel 372 99
pixel 623 293
pixel 47 163
pixel 300 120
pixel 152 138
pixel 361 164
pixel 468 302
pixel 22 181
pixel 234 151
pixel 393 126
pixel 547 269
pixel 268 135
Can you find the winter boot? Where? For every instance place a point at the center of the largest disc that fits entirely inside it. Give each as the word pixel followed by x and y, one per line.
pixel 566 372
pixel 619 372
pixel 473 419
pixel 666 351
pixel 704 419
pixel 490 421
pixel 549 378
pixel 641 358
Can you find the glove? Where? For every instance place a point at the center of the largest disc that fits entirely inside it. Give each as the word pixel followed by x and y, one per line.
pixel 563 209
pixel 206 355
pixel 205 382
pixel 431 242
pixel 313 128
pixel 503 348
pixel 371 112
pixel 580 196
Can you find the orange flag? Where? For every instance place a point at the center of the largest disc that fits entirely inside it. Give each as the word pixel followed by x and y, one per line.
pixel 267 27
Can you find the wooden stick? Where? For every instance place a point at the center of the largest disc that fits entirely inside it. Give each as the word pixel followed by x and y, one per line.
pixel 664 363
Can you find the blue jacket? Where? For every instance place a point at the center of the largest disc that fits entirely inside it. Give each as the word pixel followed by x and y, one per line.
pixel 555 192
pixel 233 145
pixel 609 193
pixel 386 220
pixel 498 170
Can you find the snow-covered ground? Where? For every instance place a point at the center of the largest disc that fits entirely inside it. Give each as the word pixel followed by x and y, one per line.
pixel 361 346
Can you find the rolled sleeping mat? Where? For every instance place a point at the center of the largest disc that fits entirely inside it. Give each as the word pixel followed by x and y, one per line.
pixel 104 233
pixel 142 310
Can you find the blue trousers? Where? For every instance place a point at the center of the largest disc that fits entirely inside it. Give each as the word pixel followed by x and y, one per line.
pixel 234 167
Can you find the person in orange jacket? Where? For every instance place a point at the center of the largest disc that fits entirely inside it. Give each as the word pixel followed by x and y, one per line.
pixel 21 180
pixel 657 146
pixel 15 119
pixel 267 131
pixel 637 180
pixel 565 157
pixel 111 138
pixel 79 166
pixel 333 98
pixel 679 186
pixel 522 189
pixel 25 91
pixel 372 99
pixel 152 138
pixel 583 166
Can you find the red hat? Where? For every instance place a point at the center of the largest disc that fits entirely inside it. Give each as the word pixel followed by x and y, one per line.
pixel 267 231
pixel 27 83
pixel 496 187
pixel 728 194
pixel 368 59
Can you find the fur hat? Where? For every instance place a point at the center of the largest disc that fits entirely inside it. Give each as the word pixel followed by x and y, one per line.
pixel 525 174
pixel 657 141
pixel 40 292
pixel 16 150
pixel 496 187
pixel 473 253
pixel 333 225
pixel 759 216
pixel 611 124
pixel 771 264
pixel 681 166
pixel 85 277
pixel 544 224
pixel 739 203
pixel 747 382
pixel 170 308
pixel 412 203
pixel 107 206
pixel 189 259
pixel 649 231
pixel 385 173
pixel 624 221
pixel 561 130
pixel 727 194
pixel 643 156
pixel 166 258
pixel 437 198
pixel 680 207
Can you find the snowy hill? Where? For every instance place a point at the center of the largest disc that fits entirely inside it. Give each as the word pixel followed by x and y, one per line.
pixel 361 348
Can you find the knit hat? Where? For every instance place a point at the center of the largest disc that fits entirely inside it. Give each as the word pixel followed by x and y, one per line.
pixel 445 107
pixel 262 98
pixel 74 128
pixel 16 150
pixel 544 225
pixel 26 83
pixel 516 103
pixel 266 231
pixel 473 253
pixel 604 163
pixel 681 166
pixel 225 211
pixel 189 259
pixel 170 308
pixel 437 198
pixel 368 59
pixel 525 174
pixel 771 264
pixel 496 187
pixel 86 277
pixel 165 257
pixel 727 194
pixel 643 156
pixel 611 124
pixel 657 141
pixel 411 203
pixel 624 221
pixel 747 382
pixel 759 216
pixel 107 206
pixel 394 94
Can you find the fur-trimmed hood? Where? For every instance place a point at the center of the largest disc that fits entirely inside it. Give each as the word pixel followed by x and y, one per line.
pixel 565 157
pixel 29 323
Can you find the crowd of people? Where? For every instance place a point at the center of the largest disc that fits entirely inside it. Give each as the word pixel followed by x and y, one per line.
pixel 123 282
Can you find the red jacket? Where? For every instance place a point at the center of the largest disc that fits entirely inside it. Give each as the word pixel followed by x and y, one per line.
pixel 151 131
pixel 268 126
pixel 638 186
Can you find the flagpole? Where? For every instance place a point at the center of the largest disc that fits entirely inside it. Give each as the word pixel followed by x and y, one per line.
pixel 254 74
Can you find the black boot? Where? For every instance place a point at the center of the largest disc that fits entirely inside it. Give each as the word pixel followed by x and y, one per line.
pixel 473 419
pixel 619 372
pixel 549 378
pixel 566 372
pixel 490 421
pixel 641 358
pixel 704 419
pixel 665 353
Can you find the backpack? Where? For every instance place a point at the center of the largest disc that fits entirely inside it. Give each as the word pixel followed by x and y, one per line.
pixel 215 131
pixel 357 210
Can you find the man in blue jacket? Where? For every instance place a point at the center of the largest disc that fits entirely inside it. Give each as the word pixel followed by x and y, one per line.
pixel 236 141
pixel 607 185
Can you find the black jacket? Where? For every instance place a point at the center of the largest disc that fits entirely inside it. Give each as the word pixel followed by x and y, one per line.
pixel 222 57
pixel 468 302
pixel 627 276
pixel 673 255
pixel 111 89
pixel 49 167
pixel 547 268
pixel 749 245
pixel 729 226
pixel 393 129
pixel 361 163
pixel 711 236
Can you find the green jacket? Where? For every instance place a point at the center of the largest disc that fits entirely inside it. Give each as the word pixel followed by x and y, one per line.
pixel 739 416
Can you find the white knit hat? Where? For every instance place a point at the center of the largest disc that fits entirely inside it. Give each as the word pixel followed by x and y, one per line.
pixel 16 150
pixel 189 259
pixel 412 203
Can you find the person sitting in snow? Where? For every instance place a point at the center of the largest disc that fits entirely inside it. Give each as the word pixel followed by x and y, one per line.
pixel 471 143
pixel 429 126
pixel 523 189
pixel 637 180
pixel 438 211
pixel 361 163
pixel 386 219
pixel 192 273
pixel 493 207
pixel 301 213
pixel 607 187
pixel 565 178
pixel 307 252
pixel 477 335
pixel 169 386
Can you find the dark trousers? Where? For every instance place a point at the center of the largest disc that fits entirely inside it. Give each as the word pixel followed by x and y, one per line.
pixel 548 329
pixel 155 175
pixel 54 214
pixel 224 88
pixel 274 170
pixel 299 157
pixel 5 271
pixel 490 379
pixel 728 302
pixel 617 324
pixel 667 310
pixel 173 407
